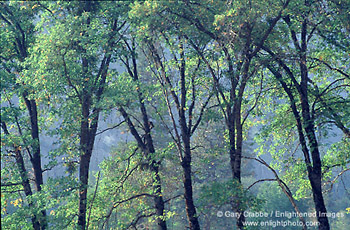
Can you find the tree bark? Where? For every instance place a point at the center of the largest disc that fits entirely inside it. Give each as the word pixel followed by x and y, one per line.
pixel 86 145
pixel 190 207
pixel 36 154
pixel 315 175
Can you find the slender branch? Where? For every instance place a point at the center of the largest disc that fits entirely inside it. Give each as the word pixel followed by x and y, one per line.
pixel 337 177
pixel 160 66
pixel 283 186
pixel 313 30
pixel 113 127
pixel 44 7
pixel 269 30
pixel 19 127
pixel 138 218
pixel 296 116
pixel 172 198
pixel 93 199
pixel 200 115
pixel 178 142
pixel 132 128
pixel 325 90
pixel 256 100
pixel 69 80
pixel 338 121
pixel 15 191
pixel 258 181
pixel 190 110
pixel 116 204
pixel 166 126
pixel 10 184
pixel 284 66
pixel 332 68
pixel 293 33
pixel 215 79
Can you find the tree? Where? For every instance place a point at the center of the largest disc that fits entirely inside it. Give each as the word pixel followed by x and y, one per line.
pixel 235 31
pixel 17 38
pixel 144 141
pixel 179 82
pixel 184 86
pixel 184 99
pixel 80 66
pixel 302 89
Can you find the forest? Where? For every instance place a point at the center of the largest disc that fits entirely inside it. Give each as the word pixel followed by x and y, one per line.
pixel 188 114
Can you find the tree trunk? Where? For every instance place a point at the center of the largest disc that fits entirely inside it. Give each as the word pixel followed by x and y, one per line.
pixel 306 125
pixel 21 48
pixel 235 127
pixel 158 199
pixel 187 159
pixel 37 225
pixel 154 168
pixel 147 148
pixel 150 151
pixel 86 146
pixel 190 208
pixel 83 178
pixel 185 133
pixel 86 137
pixel 315 175
pixel 36 157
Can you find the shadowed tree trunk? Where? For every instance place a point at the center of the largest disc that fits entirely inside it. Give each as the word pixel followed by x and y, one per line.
pixel 90 96
pixel 305 120
pixel 36 154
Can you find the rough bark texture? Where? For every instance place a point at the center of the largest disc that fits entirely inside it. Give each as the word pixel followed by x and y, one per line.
pixel 187 159
pixel 87 130
pixel 154 167
pixel 238 78
pixel 90 110
pixel 314 163
pixel 187 181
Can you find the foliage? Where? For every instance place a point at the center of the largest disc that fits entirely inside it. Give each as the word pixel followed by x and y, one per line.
pixel 211 82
